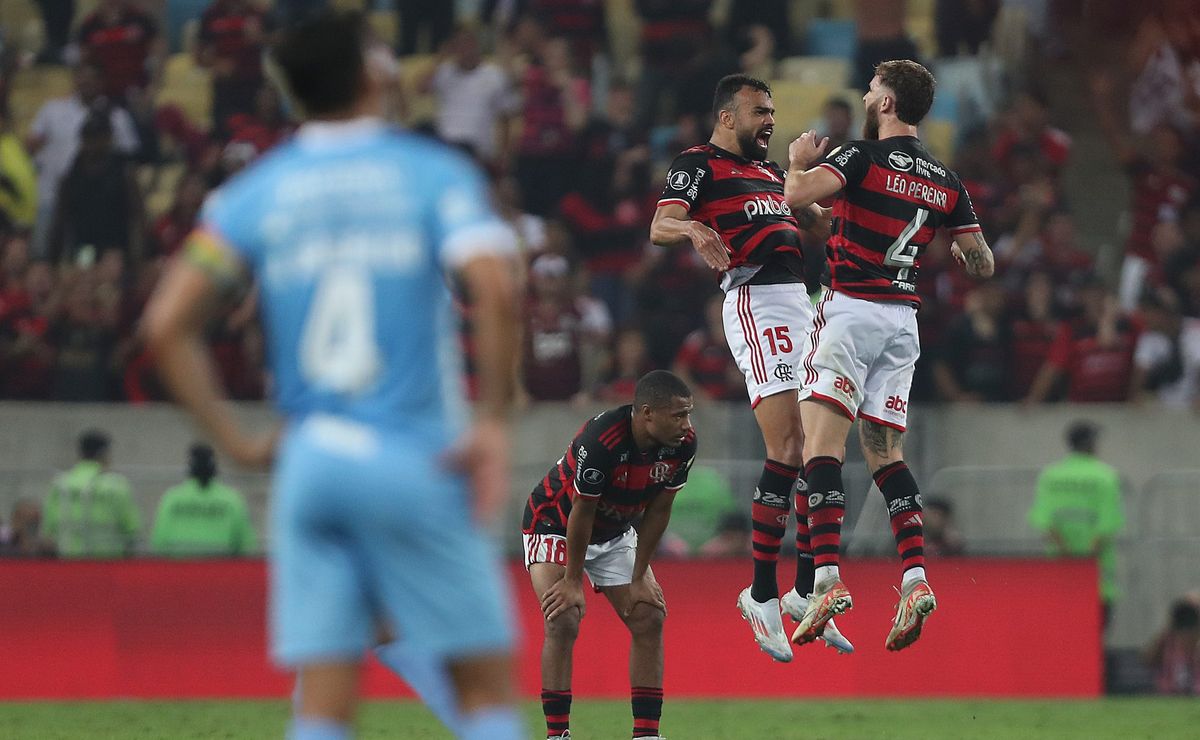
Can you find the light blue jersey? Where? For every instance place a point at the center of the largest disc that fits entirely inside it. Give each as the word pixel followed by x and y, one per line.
pixel 349 229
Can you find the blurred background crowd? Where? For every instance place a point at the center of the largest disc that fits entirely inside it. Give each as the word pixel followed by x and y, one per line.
pixel 117 117
pixel 1075 125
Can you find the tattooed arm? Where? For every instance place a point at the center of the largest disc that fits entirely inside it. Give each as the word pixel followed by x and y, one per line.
pixel 971 251
pixel 815 220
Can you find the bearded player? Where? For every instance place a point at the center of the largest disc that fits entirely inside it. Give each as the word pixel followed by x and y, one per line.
pixel 863 348
pixel 726 200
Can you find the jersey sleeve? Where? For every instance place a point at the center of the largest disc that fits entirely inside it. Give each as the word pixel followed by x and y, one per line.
pixel 849 162
pixel 962 219
pixel 688 453
pixel 594 465
pixel 465 224
pixel 228 226
pixel 686 180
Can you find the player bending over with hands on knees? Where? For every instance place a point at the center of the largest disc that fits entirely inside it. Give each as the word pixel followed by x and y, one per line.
pixel 859 357
pixel 624 463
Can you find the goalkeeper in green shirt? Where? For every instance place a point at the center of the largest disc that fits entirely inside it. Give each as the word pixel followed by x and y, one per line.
pixel 1078 507
pixel 201 517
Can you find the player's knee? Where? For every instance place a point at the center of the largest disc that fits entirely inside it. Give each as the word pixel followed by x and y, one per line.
pixel 787 450
pixel 814 447
pixel 563 627
pixel 645 621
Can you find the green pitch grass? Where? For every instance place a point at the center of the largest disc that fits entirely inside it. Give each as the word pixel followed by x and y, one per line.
pixel 1160 719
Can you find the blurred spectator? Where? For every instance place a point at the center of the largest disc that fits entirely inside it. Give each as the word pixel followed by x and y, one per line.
pixel 963 26
pixel 1094 351
pixel 695 518
pixel 1035 326
pixel 836 119
pixel 881 36
pixel 1026 124
pixel 704 361
pixel 732 538
pixel 475 98
pixel 202 517
pixel 26 351
pixel 1165 59
pixel 56 26
pixel 18 181
pixel 90 511
pixel 674 34
pixel 261 128
pixel 1167 358
pixel 232 33
pixel 85 335
pixel 532 231
pixel 769 16
pixel 123 41
pixel 431 19
pixel 1174 654
pixel 54 139
pixel 970 364
pixel 99 202
pixel 942 538
pixel 22 538
pixel 556 101
pixel 629 363
pixel 562 335
pixel 1078 507
pixel 1160 187
pixel 173 226
pixel 607 212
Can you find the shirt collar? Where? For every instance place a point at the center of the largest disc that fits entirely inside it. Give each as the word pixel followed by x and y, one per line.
pixel 326 133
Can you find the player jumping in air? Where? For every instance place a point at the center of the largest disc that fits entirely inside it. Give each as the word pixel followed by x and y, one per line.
pixel 349 229
pixel 625 463
pixel 860 355
pixel 726 199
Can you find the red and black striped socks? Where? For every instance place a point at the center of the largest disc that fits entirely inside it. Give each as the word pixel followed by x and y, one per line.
pixel 557 707
pixel 647 710
pixel 903 499
pixel 826 509
pixel 804 552
pixel 769 512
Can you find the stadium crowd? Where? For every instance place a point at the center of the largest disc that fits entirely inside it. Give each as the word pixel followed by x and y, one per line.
pixel 577 148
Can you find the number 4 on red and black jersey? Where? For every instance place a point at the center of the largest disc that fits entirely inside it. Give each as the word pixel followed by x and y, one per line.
pixel 894 196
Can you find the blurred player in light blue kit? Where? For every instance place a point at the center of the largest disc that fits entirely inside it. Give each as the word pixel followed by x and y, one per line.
pixel 349 230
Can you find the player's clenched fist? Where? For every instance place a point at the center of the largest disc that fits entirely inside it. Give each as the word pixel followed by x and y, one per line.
pixel 709 246
pixel 806 150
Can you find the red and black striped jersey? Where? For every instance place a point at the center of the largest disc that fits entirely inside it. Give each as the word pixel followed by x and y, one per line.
pixel 742 200
pixel 894 196
pixel 604 462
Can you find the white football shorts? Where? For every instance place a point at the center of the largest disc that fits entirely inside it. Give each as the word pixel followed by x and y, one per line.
pixel 766 327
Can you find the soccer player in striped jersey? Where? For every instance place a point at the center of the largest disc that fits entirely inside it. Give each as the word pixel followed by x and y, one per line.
pixel 860 355
pixel 726 200
pixel 624 464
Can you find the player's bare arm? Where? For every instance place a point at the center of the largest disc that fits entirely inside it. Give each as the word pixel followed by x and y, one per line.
pixel 567 593
pixel 173 326
pixel 484 453
pixel 971 251
pixel 644 587
pixel 671 227
pixel 806 183
pixel 815 220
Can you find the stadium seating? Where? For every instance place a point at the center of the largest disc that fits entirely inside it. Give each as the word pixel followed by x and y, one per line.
pixel 832 71
pixel 830 37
